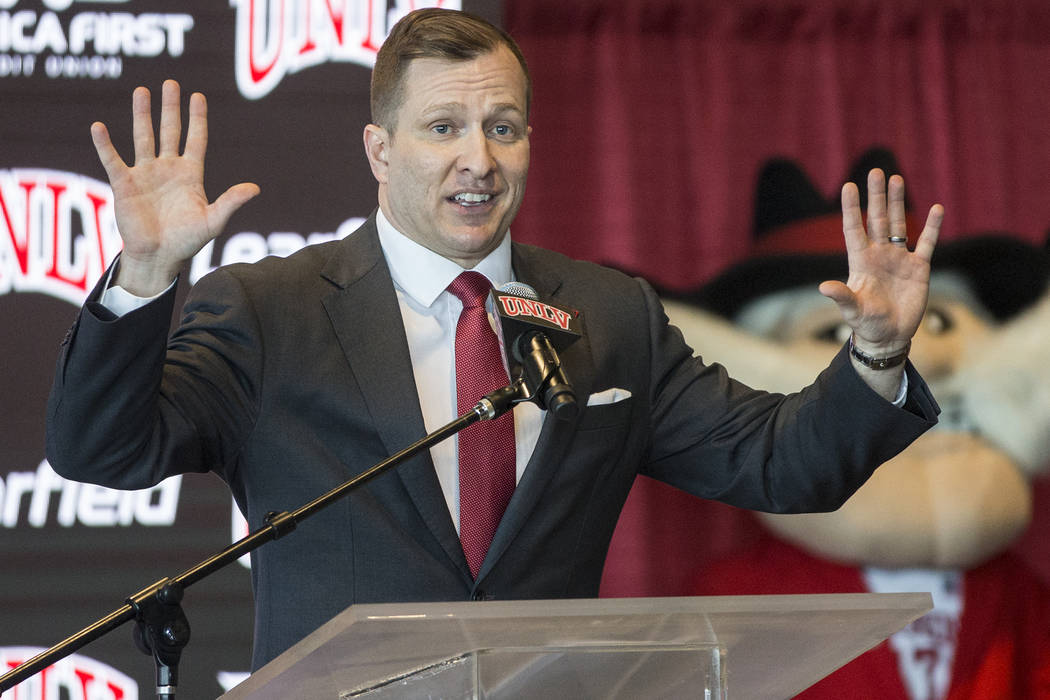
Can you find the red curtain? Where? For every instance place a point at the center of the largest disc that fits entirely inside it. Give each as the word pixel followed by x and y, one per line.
pixel 652 118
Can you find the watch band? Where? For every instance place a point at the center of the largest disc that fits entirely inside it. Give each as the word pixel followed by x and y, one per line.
pixel 878 362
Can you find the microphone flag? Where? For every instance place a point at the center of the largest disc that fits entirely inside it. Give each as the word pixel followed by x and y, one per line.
pixel 515 310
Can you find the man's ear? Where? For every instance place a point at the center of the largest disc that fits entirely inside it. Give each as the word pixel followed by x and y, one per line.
pixel 377 139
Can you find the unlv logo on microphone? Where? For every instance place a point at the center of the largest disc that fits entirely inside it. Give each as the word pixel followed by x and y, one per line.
pixel 278 37
pixel 57 232
pixel 519 306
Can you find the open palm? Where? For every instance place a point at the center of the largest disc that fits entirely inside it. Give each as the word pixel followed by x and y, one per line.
pixel 884 297
pixel 162 211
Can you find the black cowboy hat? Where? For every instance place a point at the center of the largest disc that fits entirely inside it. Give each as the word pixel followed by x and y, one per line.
pixel 798 241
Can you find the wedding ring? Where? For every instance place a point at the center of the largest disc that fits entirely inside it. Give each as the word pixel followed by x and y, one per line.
pixel 898 239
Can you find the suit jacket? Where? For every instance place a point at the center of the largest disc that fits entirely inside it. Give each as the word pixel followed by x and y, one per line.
pixel 289 376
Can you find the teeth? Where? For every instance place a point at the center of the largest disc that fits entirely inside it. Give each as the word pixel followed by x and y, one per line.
pixel 472 197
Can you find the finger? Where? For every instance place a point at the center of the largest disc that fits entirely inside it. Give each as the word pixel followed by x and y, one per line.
pixel 170 119
pixel 142 125
pixel 878 223
pixel 197 131
pixel 852 222
pixel 220 211
pixel 930 233
pixel 897 217
pixel 111 161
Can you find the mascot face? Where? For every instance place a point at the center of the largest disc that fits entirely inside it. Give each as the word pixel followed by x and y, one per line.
pixel 804 321
pixel 955 497
pixel 958 495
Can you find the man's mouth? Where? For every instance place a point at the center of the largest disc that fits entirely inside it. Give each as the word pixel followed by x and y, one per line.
pixel 470 199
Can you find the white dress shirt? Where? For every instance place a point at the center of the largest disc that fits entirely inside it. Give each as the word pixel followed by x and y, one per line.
pixel 430 314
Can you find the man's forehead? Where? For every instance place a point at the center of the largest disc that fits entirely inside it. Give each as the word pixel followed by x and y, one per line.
pixel 495 71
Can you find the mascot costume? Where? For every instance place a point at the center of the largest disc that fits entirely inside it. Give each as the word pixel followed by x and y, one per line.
pixel 941 516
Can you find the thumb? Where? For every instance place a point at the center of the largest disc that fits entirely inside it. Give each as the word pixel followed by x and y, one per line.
pixel 839 293
pixel 845 298
pixel 220 211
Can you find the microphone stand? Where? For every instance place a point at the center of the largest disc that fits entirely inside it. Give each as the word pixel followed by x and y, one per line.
pixel 162 629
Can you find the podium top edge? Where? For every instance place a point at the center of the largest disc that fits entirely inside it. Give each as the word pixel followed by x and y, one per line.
pixel 701 605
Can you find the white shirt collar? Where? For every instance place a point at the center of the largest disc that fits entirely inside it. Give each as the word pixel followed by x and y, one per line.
pixel 423 274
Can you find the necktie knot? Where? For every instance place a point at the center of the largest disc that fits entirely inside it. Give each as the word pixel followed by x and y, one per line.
pixel 471 288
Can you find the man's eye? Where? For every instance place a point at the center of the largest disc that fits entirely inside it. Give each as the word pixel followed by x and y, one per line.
pixel 442 129
pixel 504 131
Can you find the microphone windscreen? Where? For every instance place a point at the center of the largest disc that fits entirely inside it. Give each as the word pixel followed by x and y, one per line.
pixel 521 289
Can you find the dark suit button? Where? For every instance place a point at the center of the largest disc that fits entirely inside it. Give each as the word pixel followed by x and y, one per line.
pixel 479 595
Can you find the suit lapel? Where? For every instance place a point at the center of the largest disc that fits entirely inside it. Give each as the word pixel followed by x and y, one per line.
pixel 366 317
pixel 555 435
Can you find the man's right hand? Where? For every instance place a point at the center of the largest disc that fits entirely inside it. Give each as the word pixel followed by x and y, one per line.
pixel 162 212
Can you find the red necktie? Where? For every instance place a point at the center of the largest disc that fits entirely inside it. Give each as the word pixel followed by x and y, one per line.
pixel 486 449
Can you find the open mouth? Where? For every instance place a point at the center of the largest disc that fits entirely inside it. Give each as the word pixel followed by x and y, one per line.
pixel 470 199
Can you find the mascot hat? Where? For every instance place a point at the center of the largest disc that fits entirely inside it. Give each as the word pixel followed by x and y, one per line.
pixel 798 241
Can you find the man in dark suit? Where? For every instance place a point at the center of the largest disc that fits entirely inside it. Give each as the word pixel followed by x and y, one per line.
pixel 289 376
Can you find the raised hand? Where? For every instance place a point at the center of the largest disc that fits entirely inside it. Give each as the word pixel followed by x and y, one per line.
pixel 884 297
pixel 162 211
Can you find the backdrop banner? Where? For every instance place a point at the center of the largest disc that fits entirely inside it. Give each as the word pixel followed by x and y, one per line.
pixel 287 88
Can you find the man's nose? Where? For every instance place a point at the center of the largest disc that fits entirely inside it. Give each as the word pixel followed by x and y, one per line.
pixel 476 156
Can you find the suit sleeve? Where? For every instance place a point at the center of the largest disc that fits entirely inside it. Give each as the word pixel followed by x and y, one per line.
pixel 803 452
pixel 128 408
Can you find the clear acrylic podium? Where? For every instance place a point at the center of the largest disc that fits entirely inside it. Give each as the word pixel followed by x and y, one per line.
pixel 749 647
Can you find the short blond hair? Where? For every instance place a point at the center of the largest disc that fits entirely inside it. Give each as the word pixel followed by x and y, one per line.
pixel 433 33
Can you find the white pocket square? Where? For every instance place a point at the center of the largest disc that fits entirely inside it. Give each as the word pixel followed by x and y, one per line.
pixel 608 396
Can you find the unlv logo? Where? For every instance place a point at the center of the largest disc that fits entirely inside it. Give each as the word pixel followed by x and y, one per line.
pixel 278 37
pixel 519 306
pixel 57 232
pixel 74 677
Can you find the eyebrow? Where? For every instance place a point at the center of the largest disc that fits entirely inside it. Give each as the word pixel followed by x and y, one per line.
pixel 457 106
pixel 508 107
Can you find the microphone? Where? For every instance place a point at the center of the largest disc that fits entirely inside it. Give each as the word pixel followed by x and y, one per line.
pixel 536 331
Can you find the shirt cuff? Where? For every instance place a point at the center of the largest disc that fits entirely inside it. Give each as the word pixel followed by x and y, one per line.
pixel 120 301
pixel 902 393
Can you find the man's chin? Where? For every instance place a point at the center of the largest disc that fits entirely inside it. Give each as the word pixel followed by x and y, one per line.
pixel 473 243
